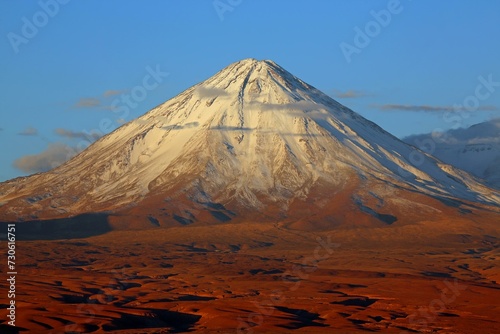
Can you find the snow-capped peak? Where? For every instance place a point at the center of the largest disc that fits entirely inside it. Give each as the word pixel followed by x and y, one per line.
pixel 253 135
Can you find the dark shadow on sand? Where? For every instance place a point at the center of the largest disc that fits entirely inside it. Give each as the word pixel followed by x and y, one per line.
pixel 81 226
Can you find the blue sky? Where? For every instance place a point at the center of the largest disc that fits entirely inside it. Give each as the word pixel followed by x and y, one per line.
pixel 64 62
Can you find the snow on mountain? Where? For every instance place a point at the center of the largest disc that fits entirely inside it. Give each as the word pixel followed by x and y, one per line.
pixel 475 149
pixel 251 137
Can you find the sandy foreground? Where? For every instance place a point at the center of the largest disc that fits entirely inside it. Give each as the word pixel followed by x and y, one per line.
pixel 429 277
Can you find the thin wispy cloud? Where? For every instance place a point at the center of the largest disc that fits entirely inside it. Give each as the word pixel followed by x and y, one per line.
pixel 430 108
pixel 209 92
pixel 299 105
pixel 88 102
pixel 55 155
pixel 349 94
pixel 113 92
pixel 230 128
pixel 97 102
pixel 179 127
pixel 77 134
pixel 29 131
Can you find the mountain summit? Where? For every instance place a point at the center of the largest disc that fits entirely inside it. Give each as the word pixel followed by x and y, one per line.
pixel 251 141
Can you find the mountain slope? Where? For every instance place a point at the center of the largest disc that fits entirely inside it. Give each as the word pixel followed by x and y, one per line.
pixel 251 138
pixel 475 149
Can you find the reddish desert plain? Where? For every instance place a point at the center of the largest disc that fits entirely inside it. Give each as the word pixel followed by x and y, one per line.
pixel 437 276
pixel 252 203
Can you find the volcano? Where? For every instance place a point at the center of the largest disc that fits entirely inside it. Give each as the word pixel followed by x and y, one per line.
pixel 251 142
pixel 251 203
